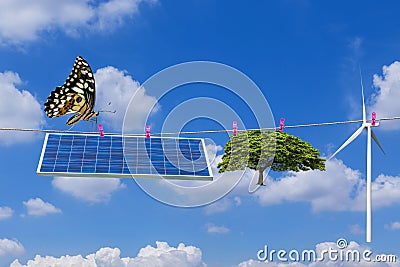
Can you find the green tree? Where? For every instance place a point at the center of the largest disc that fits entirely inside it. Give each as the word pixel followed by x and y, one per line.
pixel 259 150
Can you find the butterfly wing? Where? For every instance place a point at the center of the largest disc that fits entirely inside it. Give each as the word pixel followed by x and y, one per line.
pixel 76 95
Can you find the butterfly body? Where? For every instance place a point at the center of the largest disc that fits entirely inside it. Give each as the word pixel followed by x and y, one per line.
pixel 77 95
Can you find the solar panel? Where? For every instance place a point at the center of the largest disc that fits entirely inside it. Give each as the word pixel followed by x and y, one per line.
pixel 83 155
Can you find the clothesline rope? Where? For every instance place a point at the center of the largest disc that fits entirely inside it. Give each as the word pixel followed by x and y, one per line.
pixel 197 132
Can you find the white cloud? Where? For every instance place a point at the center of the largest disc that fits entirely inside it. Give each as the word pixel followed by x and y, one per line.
pixel 18 109
pixel 6 213
pixel 386 190
pixel 393 226
pixel 356 229
pixel 162 255
pixel 165 255
pixel 385 100
pixel 222 205
pixel 92 190
pixel 24 20
pixel 37 207
pixel 325 190
pixel 256 263
pixel 113 12
pixel 238 201
pixel 215 229
pixel 50 261
pixel 10 247
pixel 339 188
pixel 218 206
pixel 117 87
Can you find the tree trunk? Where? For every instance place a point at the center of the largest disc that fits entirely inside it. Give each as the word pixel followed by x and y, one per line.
pixel 261 176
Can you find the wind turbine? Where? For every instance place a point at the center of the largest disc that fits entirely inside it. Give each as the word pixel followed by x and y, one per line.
pixel 365 125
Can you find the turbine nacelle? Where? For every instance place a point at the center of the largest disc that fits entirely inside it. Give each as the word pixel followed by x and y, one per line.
pixel 365 125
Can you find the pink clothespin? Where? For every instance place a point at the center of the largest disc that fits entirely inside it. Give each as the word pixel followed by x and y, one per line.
pixel 235 127
pixel 373 121
pixel 147 131
pixel 282 124
pixel 101 131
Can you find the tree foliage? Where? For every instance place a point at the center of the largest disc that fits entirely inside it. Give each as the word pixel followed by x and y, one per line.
pixel 259 150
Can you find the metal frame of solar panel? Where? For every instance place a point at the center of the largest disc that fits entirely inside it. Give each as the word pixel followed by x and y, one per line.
pixel 89 155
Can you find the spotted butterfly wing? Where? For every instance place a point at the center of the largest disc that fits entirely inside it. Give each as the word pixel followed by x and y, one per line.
pixel 77 95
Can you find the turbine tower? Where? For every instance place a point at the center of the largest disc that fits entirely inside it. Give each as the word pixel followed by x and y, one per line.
pixel 365 125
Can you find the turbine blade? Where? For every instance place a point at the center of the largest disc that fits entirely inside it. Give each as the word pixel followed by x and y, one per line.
pixel 376 141
pixel 348 141
pixel 363 102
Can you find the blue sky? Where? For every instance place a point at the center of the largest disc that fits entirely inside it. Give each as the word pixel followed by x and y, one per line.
pixel 303 55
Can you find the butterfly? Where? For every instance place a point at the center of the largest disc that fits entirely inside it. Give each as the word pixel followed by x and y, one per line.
pixel 77 95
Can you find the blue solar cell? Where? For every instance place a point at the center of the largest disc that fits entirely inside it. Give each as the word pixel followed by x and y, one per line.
pixel 60 168
pixel 118 156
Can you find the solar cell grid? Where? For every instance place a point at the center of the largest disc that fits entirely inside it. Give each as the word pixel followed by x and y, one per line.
pixel 124 156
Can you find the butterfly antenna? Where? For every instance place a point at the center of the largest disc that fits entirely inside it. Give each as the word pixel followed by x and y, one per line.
pixel 70 128
pixel 103 108
pixel 95 124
